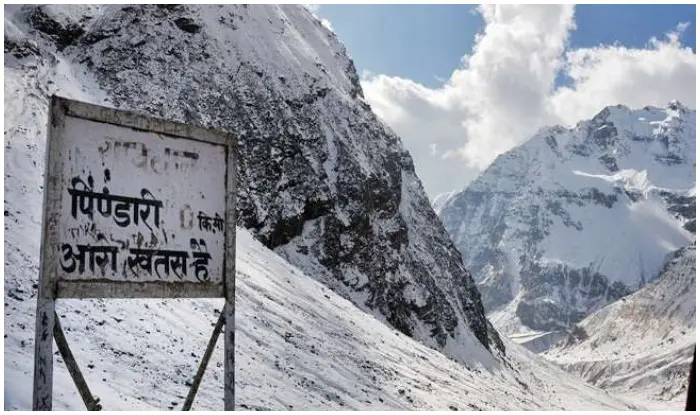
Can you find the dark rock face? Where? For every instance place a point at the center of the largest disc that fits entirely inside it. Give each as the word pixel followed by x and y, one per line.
pixel 609 161
pixel 188 25
pixel 62 33
pixel 682 206
pixel 20 49
pixel 320 180
pixel 574 291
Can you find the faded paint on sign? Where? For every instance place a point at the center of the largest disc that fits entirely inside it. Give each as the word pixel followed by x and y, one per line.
pixel 139 206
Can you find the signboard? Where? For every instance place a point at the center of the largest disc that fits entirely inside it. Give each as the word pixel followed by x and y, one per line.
pixel 134 207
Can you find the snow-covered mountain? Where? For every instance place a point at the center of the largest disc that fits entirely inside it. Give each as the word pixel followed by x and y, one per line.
pixel 574 219
pixel 321 180
pixel 641 345
pixel 355 244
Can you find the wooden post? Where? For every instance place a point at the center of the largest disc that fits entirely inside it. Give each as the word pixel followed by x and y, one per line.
pixel 690 400
pixel 229 311
pixel 42 397
pixel 42 392
pixel 91 403
pixel 203 364
pixel 230 356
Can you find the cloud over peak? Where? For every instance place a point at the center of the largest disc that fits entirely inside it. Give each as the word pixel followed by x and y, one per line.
pixel 505 90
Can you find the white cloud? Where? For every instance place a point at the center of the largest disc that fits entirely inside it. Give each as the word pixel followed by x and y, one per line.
pixel 680 28
pixel 634 77
pixel 504 91
pixel 365 73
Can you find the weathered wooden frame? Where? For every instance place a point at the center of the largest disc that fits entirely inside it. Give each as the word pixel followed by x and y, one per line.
pixel 51 287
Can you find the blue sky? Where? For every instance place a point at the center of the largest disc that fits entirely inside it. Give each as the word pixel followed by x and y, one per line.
pixel 535 66
pixel 426 42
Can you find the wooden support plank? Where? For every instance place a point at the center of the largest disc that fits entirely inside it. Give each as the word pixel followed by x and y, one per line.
pixel 203 364
pixel 42 392
pixel 91 403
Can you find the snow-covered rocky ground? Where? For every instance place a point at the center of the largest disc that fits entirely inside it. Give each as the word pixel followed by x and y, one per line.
pixel 321 180
pixel 299 346
pixel 642 345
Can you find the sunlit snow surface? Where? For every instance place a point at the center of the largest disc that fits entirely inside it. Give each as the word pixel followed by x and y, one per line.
pixel 299 345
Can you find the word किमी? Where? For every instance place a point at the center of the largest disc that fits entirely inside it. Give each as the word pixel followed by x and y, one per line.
pixel 210 223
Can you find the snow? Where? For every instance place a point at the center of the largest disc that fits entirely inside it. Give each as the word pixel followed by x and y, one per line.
pixel 641 345
pixel 654 232
pixel 626 241
pixel 439 200
pixel 538 341
pixel 299 344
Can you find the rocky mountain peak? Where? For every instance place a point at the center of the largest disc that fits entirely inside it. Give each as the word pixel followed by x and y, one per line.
pixel 575 218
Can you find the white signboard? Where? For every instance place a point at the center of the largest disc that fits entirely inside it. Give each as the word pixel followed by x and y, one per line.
pixel 138 201
pixel 134 207
pixel 139 206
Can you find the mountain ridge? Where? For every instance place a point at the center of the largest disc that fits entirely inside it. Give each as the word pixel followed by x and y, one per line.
pixel 535 226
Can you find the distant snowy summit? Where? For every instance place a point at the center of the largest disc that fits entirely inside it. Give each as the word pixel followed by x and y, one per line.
pixel 574 219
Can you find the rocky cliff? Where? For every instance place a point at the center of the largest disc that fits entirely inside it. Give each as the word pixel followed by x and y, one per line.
pixel 321 180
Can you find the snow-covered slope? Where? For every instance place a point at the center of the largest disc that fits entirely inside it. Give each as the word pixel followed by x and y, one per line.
pixel 641 345
pixel 321 180
pixel 298 344
pixel 574 219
